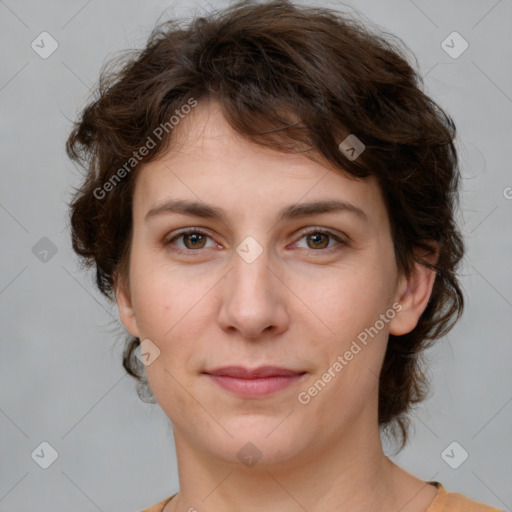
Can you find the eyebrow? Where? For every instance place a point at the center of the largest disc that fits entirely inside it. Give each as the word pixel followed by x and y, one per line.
pixel 294 211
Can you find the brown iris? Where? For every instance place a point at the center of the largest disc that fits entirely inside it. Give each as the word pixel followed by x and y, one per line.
pixel 316 235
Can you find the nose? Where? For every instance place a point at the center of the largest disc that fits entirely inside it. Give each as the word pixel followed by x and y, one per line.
pixel 253 299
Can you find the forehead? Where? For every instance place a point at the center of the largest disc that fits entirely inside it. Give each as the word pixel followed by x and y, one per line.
pixel 205 134
pixel 207 160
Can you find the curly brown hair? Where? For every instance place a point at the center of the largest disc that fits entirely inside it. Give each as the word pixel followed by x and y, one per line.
pixel 261 63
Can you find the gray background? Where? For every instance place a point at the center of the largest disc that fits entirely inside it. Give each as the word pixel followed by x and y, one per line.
pixel 61 379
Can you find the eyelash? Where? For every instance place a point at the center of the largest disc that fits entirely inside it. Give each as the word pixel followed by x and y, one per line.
pixel 195 252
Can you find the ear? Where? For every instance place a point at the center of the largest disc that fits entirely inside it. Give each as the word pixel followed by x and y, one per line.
pixel 124 306
pixel 413 293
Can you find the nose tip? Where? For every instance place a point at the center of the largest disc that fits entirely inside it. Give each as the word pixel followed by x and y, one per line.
pixel 252 301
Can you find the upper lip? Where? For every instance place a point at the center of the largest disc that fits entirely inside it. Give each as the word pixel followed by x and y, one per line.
pixel 254 373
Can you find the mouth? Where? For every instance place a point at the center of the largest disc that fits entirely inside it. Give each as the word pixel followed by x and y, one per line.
pixel 253 383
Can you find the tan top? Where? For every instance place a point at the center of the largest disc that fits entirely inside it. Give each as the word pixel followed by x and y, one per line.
pixel 443 502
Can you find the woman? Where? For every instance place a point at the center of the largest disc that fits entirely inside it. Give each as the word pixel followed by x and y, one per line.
pixel 270 200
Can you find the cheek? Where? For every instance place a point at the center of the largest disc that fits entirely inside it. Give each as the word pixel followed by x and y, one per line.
pixel 350 305
pixel 346 301
pixel 164 297
pixel 172 309
pixel 168 313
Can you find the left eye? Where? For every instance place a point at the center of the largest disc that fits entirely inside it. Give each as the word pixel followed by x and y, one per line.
pixel 318 239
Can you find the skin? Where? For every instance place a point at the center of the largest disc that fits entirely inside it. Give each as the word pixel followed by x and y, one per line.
pixel 297 306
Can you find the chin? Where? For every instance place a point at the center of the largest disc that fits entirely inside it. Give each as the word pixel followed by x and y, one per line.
pixel 260 450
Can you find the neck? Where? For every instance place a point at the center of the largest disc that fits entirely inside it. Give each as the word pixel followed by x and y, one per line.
pixel 352 471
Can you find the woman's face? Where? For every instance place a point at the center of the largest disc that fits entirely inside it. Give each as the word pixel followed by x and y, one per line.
pixel 252 287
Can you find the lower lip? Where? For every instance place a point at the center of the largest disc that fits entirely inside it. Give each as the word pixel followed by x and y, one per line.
pixel 253 388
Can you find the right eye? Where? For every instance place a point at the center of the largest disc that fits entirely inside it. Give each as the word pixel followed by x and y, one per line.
pixel 193 240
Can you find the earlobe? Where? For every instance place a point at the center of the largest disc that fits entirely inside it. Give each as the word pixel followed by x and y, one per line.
pixel 125 308
pixel 413 294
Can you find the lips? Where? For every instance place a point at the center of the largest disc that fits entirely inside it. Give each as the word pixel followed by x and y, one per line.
pixel 262 372
pixel 254 383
